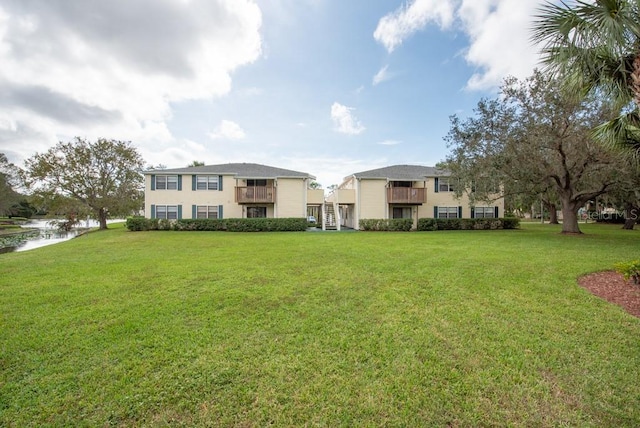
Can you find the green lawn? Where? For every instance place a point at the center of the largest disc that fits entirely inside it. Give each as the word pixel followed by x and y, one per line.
pixel 460 328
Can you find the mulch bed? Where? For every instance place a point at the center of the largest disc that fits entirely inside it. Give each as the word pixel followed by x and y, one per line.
pixel 612 287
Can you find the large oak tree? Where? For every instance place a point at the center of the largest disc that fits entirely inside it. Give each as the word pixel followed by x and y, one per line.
pixel 533 140
pixel 103 175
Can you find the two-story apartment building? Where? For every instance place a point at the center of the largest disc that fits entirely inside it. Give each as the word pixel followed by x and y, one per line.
pixel 404 191
pixel 234 190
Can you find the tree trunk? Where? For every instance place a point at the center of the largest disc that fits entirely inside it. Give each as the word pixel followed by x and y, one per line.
pixel 630 217
pixel 569 216
pixel 102 218
pixel 553 214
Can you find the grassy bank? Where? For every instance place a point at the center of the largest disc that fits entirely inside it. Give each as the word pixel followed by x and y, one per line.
pixel 355 329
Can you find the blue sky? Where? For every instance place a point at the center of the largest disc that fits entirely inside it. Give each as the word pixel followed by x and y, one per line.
pixel 329 87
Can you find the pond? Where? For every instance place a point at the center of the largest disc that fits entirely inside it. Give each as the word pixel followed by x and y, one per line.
pixel 40 233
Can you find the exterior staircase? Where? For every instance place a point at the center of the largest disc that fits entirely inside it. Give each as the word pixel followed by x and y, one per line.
pixel 330 221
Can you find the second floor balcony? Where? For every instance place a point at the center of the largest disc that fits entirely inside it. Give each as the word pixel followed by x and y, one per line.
pixel 406 195
pixel 255 194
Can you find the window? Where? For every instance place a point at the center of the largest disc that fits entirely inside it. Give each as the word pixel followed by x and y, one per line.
pixel 169 212
pixel 207 182
pixel 256 212
pixel 166 182
pixel 447 212
pixel 444 185
pixel 401 184
pixel 207 211
pixel 484 212
pixel 401 212
pixel 257 183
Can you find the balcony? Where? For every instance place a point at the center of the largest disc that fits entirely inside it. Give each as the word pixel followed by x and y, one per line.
pixel 255 195
pixel 406 195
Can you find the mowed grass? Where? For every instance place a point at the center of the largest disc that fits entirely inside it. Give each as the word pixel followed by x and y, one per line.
pixel 464 328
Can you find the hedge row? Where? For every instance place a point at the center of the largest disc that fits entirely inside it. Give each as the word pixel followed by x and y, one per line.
pixel 395 224
pixel 228 225
pixel 430 224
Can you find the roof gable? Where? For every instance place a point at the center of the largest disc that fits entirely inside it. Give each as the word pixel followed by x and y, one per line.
pixel 402 172
pixel 240 170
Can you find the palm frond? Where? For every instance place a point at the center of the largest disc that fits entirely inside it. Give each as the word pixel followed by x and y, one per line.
pixel 621 133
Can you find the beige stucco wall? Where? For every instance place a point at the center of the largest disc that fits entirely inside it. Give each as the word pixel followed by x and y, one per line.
pixel 315 196
pixel 371 198
pixel 291 197
pixel 187 197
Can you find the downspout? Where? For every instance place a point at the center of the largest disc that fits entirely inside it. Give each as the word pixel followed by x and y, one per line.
pixel 305 198
pixel 357 210
pixel 386 199
pixel 275 202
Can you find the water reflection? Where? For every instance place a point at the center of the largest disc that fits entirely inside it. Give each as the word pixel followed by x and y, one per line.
pixel 40 233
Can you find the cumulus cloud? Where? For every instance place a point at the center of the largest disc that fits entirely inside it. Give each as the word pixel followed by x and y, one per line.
pixel 228 130
pixel 113 68
pixel 410 18
pixel 344 120
pixel 498 33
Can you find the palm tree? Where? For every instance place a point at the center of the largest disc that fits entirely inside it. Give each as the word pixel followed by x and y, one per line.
pixel 595 46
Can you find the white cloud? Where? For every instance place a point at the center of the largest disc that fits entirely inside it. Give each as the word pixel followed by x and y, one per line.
pixel 394 28
pixel 344 120
pixel 498 32
pixel 228 130
pixel 381 75
pixel 390 142
pixel 113 69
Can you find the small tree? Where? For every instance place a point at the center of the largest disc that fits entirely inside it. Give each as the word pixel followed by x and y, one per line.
pixel 103 176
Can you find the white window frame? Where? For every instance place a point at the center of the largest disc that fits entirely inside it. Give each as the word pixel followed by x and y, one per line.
pixel 206 182
pixel 484 212
pixel 207 211
pixel 168 212
pixel 444 185
pixel 447 212
pixel 166 182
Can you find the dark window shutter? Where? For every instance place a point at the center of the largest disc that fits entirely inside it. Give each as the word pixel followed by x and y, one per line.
pixel 436 185
pixel 179 212
pixel 153 182
pixel 435 212
pixel 496 211
pixel 220 183
pixel 459 212
pixel 179 182
pixel 153 211
pixel 194 211
pixel 193 182
pixel 473 212
pixel 220 211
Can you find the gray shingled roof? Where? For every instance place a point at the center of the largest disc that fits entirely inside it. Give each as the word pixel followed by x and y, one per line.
pixel 240 170
pixel 402 172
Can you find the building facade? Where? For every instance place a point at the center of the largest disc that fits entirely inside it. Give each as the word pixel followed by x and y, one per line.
pixel 234 190
pixel 404 191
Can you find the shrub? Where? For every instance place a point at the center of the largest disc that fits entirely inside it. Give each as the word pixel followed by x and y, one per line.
pixel 427 224
pixel 630 270
pixel 200 224
pixel 387 225
pixel 231 225
pixel 431 224
pixel 139 223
